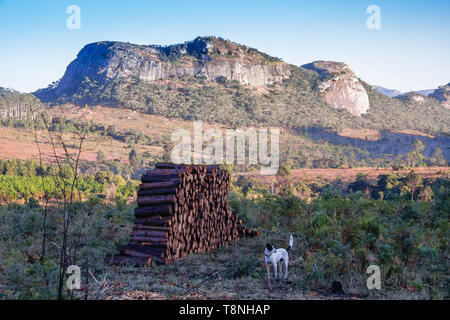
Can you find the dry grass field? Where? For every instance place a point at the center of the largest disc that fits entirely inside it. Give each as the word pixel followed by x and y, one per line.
pixel 346 175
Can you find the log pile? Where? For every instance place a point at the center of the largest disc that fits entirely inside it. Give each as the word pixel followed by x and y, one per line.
pixel 182 209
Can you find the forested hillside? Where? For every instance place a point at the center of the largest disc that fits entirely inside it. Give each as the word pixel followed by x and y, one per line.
pixel 294 103
pixel 15 105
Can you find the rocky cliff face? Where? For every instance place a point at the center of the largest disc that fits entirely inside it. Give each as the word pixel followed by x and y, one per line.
pixel 340 86
pixel 207 57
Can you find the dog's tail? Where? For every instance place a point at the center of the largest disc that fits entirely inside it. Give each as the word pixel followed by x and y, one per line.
pixel 291 242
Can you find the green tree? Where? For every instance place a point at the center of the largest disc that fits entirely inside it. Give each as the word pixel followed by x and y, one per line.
pixel 101 156
pixel 136 162
pixel 412 182
pixel 416 156
pixel 284 170
pixel 104 177
pixel 228 167
pixel 438 158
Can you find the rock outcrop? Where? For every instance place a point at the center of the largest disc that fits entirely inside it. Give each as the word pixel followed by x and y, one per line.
pixel 340 86
pixel 206 57
pixel 443 95
pixel 411 97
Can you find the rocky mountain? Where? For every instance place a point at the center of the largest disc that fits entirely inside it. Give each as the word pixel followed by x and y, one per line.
pixel 207 57
pixel 340 86
pixel 216 80
pixel 387 92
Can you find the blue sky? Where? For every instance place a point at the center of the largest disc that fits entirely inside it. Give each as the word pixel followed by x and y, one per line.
pixel 411 51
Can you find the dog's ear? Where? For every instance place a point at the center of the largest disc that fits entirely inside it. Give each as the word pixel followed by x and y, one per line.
pixel 269 247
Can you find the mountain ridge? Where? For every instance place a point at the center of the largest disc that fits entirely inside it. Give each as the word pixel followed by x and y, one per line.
pixel 441 94
pixel 213 79
pixel 210 58
pixel 207 57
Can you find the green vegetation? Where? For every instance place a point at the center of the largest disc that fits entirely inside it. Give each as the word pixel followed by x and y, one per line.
pixel 339 230
pixel 295 103
pixel 438 157
pixel 29 182
pixel 63 125
pixel 17 106
pixel 394 114
pixel 30 266
pixel 72 212
pixel 221 47
pixel 284 170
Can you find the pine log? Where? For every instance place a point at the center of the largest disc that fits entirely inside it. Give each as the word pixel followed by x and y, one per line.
pixel 136 254
pixel 159 177
pixel 154 221
pixel 148 239
pixel 151 227
pixel 148 233
pixel 169 166
pixel 172 183
pixel 145 249
pixel 162 191
pixel 165 171
pixel 159 209
pixel 159 199
pixel 183 209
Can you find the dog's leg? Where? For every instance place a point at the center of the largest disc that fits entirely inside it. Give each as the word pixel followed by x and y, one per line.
pixel 286 269
pixel 275 270
pixel 280 269
pixel 268 276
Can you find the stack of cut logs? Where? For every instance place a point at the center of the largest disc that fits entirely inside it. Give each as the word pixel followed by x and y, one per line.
pixel 182 209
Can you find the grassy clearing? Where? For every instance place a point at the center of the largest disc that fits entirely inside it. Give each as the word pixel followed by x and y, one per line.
pixel 241 275
pixel 401 225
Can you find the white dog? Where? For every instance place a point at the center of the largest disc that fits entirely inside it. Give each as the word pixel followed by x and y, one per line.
pixel 277 258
